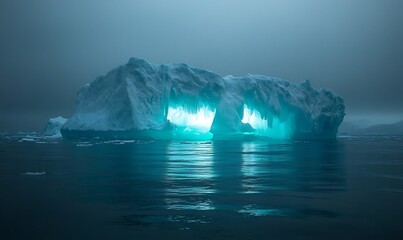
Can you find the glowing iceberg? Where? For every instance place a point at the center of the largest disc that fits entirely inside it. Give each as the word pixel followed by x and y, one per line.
pixel 143 100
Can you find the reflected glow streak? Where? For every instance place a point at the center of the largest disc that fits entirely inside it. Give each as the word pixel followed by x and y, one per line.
pixel 250 183
pixel 200 121
pixel 189 175
pixel 252 210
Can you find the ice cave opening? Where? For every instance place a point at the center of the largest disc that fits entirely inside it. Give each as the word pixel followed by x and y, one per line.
pixel 191 124
pixel 277 130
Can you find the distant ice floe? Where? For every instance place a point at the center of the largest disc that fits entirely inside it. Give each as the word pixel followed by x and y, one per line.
pixel 34 139
pixel 27 140
pixel 85 144
pixel 34 173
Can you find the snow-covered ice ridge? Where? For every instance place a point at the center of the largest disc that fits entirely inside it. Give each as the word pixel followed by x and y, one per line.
pixel 176 101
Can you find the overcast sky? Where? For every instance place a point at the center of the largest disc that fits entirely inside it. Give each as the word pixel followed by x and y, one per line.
pixel 50 48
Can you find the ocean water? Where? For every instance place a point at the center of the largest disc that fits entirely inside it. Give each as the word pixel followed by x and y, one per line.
pixel 350 188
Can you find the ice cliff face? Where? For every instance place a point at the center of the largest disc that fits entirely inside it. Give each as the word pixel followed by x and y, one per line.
pixel 143 100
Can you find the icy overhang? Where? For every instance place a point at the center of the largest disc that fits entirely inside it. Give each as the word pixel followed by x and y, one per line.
pixel 191 125
pixel 271 126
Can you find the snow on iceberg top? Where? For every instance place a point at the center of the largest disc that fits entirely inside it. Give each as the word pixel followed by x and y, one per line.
pixel 139 98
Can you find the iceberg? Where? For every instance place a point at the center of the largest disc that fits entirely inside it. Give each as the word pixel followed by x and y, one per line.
pixel 53 126
pixel 140 100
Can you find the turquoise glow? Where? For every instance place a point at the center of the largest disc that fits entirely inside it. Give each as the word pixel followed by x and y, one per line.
pixel 191 125
pixel 189 177
pixel 250 169
pixel 195 125
pixel 278 130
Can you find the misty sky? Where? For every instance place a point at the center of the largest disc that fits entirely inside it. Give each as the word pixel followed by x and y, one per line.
pixel 50 48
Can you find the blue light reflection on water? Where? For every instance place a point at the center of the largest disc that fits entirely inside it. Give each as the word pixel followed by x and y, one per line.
pixel 216 175
pixel 183 185
pixel 246 177
pixel 200 176
pixel 189 176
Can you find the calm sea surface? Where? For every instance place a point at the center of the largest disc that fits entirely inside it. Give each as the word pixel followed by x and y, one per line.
pixel 351 188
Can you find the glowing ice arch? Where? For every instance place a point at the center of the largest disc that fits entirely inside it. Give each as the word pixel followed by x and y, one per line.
pixel 278 129
pixel 191 125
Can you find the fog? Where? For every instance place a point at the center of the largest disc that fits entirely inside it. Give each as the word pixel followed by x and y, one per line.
pixel 50 48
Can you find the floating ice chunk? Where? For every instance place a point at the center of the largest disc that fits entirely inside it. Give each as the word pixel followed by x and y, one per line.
pixel 34 173
pixel 27 140
pixel 84 145
pixel 53 126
